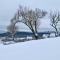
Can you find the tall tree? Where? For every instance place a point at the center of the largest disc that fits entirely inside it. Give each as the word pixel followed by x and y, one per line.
pixel 55 18
pixel 30 18
pixel 12 29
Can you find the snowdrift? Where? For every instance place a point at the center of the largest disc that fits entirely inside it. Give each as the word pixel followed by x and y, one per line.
pixel 44 49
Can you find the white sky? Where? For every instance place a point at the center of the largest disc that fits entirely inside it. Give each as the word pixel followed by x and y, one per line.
pixel 9 7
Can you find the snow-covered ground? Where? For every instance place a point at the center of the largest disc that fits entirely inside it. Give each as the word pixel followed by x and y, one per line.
pixel 44 49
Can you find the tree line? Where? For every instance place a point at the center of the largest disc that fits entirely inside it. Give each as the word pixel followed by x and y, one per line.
pixel 31 19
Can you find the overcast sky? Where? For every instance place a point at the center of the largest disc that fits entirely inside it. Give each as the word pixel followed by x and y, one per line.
pixel 9 7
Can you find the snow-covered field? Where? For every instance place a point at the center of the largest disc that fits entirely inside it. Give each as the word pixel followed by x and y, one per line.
pixel 44 49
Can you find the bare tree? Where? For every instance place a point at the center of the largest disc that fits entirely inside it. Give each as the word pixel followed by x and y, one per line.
pixel 55 18
pixel 12 29
pixel 30 18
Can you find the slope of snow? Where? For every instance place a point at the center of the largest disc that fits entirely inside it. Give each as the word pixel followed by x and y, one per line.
pixel 44 49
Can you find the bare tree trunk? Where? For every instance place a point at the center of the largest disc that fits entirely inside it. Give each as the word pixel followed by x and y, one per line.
pixel 56 34
pixel 33 31
pixel 35 36
pixel 56 30
pixel 12 37
pixel 36 33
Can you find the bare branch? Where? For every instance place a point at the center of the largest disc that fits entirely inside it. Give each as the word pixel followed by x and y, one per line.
pixel 54 18
pixel 29 17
